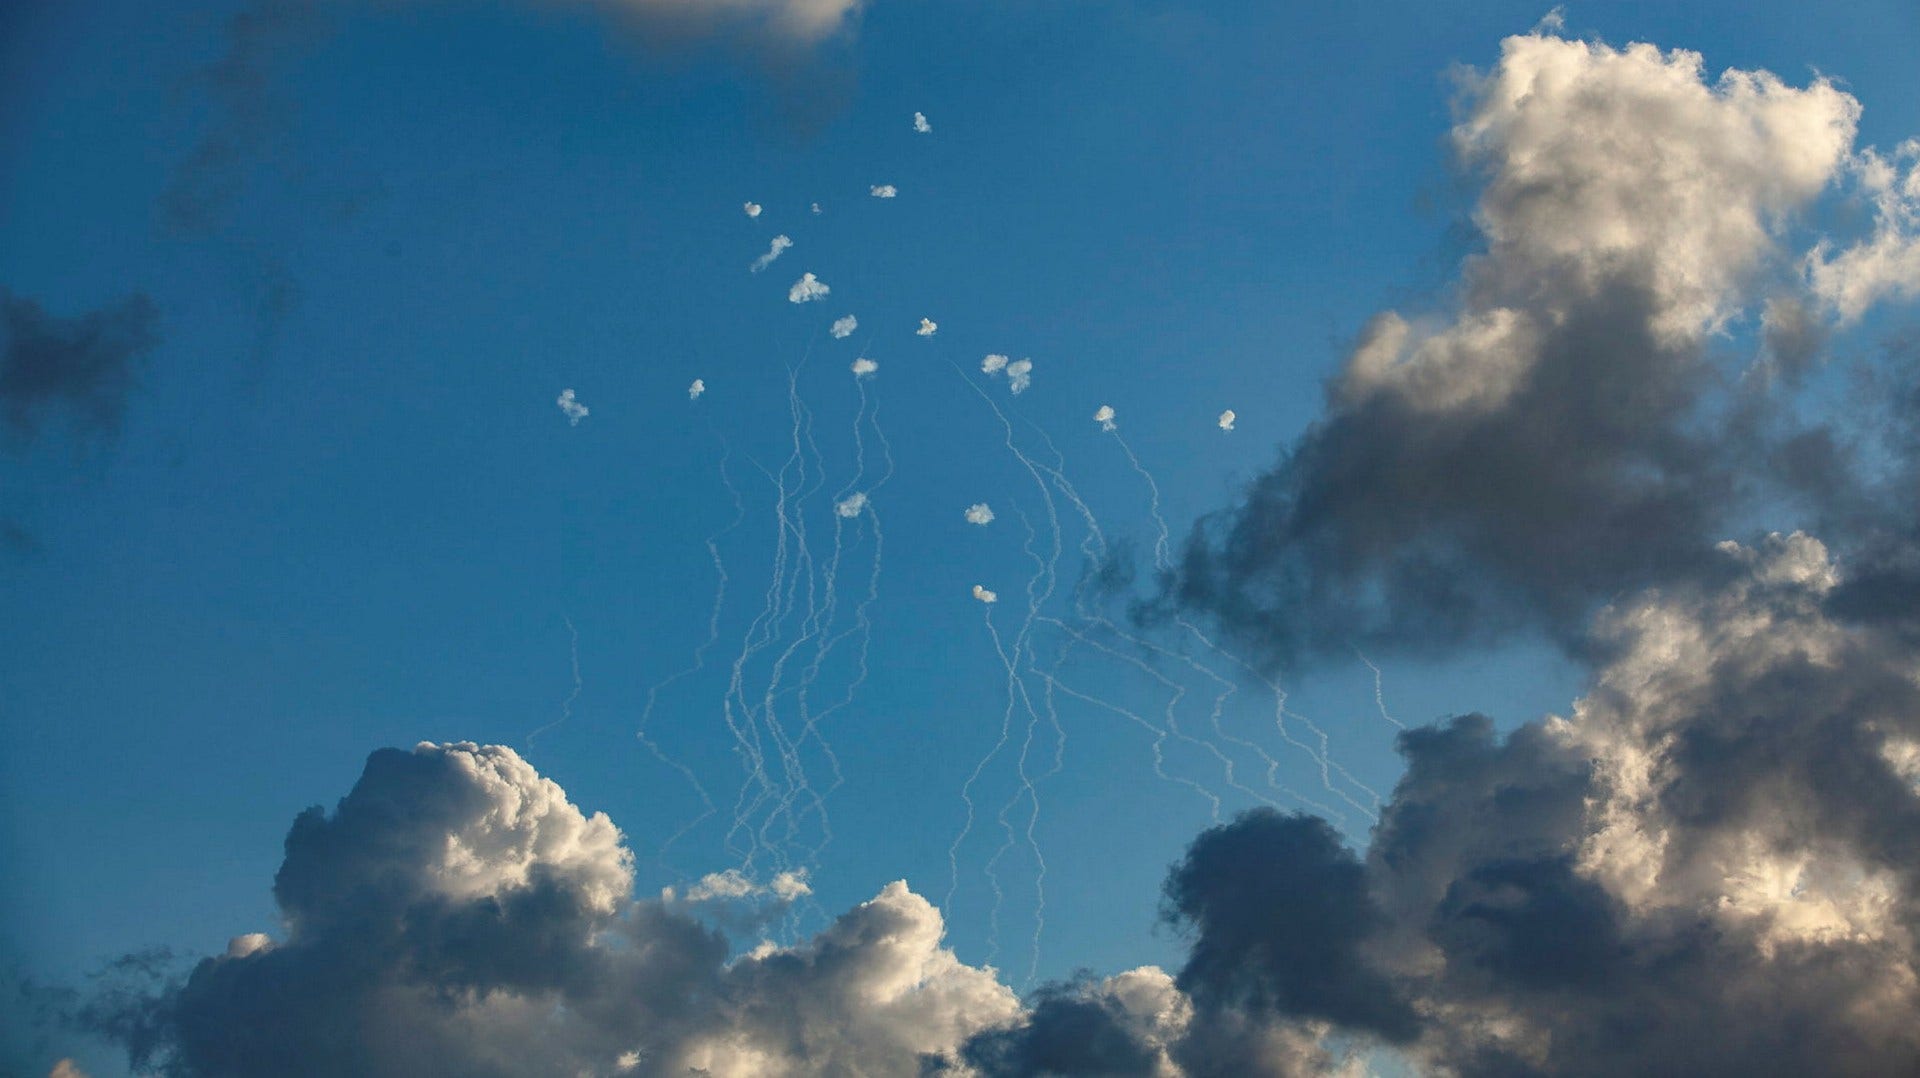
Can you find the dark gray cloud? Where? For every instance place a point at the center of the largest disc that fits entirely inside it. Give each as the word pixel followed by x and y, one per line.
pixel 1074 1029
pixel 1568 428
pixel 1710 866
pixel 79 368
pixel 1280 915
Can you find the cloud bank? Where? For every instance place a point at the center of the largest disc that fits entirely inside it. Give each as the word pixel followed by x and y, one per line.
pixel 457 915
pixel 1570 428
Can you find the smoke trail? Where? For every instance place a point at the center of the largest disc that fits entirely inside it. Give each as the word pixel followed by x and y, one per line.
pixel 1379 694
pixel 566 707
pixel 699 653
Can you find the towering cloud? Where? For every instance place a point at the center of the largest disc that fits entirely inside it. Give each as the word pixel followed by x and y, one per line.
pixel 1563 433
pixel 457 915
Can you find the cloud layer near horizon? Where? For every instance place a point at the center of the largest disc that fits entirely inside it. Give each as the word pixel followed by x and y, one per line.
pixel 1709 864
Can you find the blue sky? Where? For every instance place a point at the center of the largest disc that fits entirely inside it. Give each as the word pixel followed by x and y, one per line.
pixel 342 511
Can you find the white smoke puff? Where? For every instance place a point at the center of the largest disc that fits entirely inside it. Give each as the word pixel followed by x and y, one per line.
pixel 844 327
pixel 698 387
pixel 993 364
pixel 1104 417
pixel 807 289
pixel 1020 375
pixel 851 506
pixel 816 209
pixel 752 208
pixel 774 250
pixel 864 366
pixel 571 406
pixel 928 327
pixel 920 123
pixel 66 1068
pixel 885 190
pixel 984 595
pixel 1226 419
pixel 978 513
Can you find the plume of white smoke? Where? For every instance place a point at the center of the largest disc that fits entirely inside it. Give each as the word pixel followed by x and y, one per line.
pixel 993 364
pixel 698 387
pixel 984 595
pixel 807 289
pixel 574 410
pixel 1104 417
pixel 852 505
pixel 774 250
pixel 1019 375
pixel 816 209
pixel 1227 419
pixel 864 366
pixel 844 327
pixel 885 190
pixel 752 209
pixel 920 123
pixel 928 327
pixel 979 513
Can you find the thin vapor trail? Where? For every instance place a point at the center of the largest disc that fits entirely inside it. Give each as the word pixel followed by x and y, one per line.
pixel 699 653
pixel 1379 693
pixel 566 707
